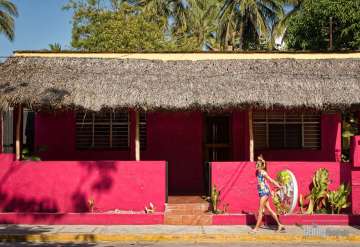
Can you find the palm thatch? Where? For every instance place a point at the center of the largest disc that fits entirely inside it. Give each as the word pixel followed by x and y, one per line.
pixel 94 83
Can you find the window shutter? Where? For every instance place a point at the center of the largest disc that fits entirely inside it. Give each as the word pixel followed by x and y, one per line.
pixel 312 131
pixel 260 130
pixel 102 125
pixel 120 130
pixel 143 131
pixel 291 130
pixel 102 130
pixel 84 130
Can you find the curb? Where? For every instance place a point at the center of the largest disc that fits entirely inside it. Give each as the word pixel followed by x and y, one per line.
pixel 179 238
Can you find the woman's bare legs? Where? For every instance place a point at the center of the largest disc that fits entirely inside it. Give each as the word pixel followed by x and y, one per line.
pixel 262 205
pixel 273 214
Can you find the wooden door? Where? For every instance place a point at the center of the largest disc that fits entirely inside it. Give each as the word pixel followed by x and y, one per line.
pixel 217 138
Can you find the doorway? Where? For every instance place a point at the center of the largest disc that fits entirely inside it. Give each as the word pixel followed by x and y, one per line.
pixel 217 142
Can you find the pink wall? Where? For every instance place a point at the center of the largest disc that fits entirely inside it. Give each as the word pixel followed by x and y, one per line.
pixel 66 186
pixel 56 133
pixel 355 174
pixel 172 136
pixel 237 181
pixel 176 137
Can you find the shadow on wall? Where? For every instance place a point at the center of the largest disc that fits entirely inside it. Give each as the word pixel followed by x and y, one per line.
pixel 104 182
pixel 85 188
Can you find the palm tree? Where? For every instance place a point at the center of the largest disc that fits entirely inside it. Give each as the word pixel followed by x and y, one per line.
pixel 203 23
pixel 8 12
pixel 174 10
pixel 246 22
pixel 281 24
pixel 56 47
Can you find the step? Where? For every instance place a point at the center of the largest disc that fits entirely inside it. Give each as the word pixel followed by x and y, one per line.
pixel 187 208
pixel 200 219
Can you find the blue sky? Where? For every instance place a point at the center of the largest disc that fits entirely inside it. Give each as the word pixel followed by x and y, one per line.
pixel 40 23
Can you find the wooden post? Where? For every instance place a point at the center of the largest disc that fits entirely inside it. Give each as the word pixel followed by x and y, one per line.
pixel 331 34
pixel 18 132
pixel 251 136
pixel 137 136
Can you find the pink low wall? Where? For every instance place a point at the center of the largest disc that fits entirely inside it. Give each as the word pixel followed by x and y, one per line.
pixel 66 186
pixel 237 182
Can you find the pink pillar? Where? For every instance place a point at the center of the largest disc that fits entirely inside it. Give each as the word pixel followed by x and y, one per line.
pixel 1 134
pixel 331 136
pixel 355 174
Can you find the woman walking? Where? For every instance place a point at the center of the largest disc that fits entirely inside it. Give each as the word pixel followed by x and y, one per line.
pixel 264 193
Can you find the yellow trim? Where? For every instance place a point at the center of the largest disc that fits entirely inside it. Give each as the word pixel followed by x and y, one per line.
pixel 194 56
pixel 178 238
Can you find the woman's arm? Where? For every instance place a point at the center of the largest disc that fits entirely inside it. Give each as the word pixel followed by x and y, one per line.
pixel 271 180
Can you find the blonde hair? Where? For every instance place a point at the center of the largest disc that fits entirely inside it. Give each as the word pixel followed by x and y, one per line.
pixel 260 163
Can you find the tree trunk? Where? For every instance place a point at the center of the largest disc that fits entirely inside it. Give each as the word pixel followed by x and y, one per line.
pixel 241 34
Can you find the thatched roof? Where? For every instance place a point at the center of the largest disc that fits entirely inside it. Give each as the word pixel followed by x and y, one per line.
pixel 95 83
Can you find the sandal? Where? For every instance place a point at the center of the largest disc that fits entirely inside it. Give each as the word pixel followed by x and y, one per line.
pixel 281 228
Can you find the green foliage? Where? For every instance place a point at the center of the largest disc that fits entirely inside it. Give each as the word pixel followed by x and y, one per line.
pixel 283 177
pixel 202 23
pixel 277 203
pixel 124 30
pixel 320 199
pixel 8 12
pixel 26 155
pixel 248 24
pixel 349 129
pixel 56 47
pixel 281 197
pixel 215 201
pixel 196 25
pixel 308 29
pixel 127 28
pixel 338 199
pixel 318 195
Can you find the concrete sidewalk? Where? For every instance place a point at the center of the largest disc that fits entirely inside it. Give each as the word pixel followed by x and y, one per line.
pixel 179 234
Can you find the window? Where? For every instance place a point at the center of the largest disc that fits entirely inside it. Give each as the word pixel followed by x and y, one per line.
pixel 278 130
pixel 8 130
pixel 143 131
pixel 102 130
pixel 107 130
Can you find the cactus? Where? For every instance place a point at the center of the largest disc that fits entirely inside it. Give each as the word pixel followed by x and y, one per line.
pixel 338 199
pixel 150 209
pixel 91 204
pixel 215 199
pixel 320 199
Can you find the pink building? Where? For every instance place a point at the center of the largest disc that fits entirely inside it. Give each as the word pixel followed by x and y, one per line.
pixel 126 130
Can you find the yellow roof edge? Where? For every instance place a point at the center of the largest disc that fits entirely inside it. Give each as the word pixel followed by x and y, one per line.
pixel 193 56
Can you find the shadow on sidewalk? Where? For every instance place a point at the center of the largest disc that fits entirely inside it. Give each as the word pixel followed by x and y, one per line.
pixel 19 235
pixel 52 245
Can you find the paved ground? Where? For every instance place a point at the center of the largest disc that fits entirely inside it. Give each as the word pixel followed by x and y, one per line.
pixel 161 235
pixel 168 229
pixel 180 245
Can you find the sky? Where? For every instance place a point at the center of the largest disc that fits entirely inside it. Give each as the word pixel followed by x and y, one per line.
pixel 40 23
